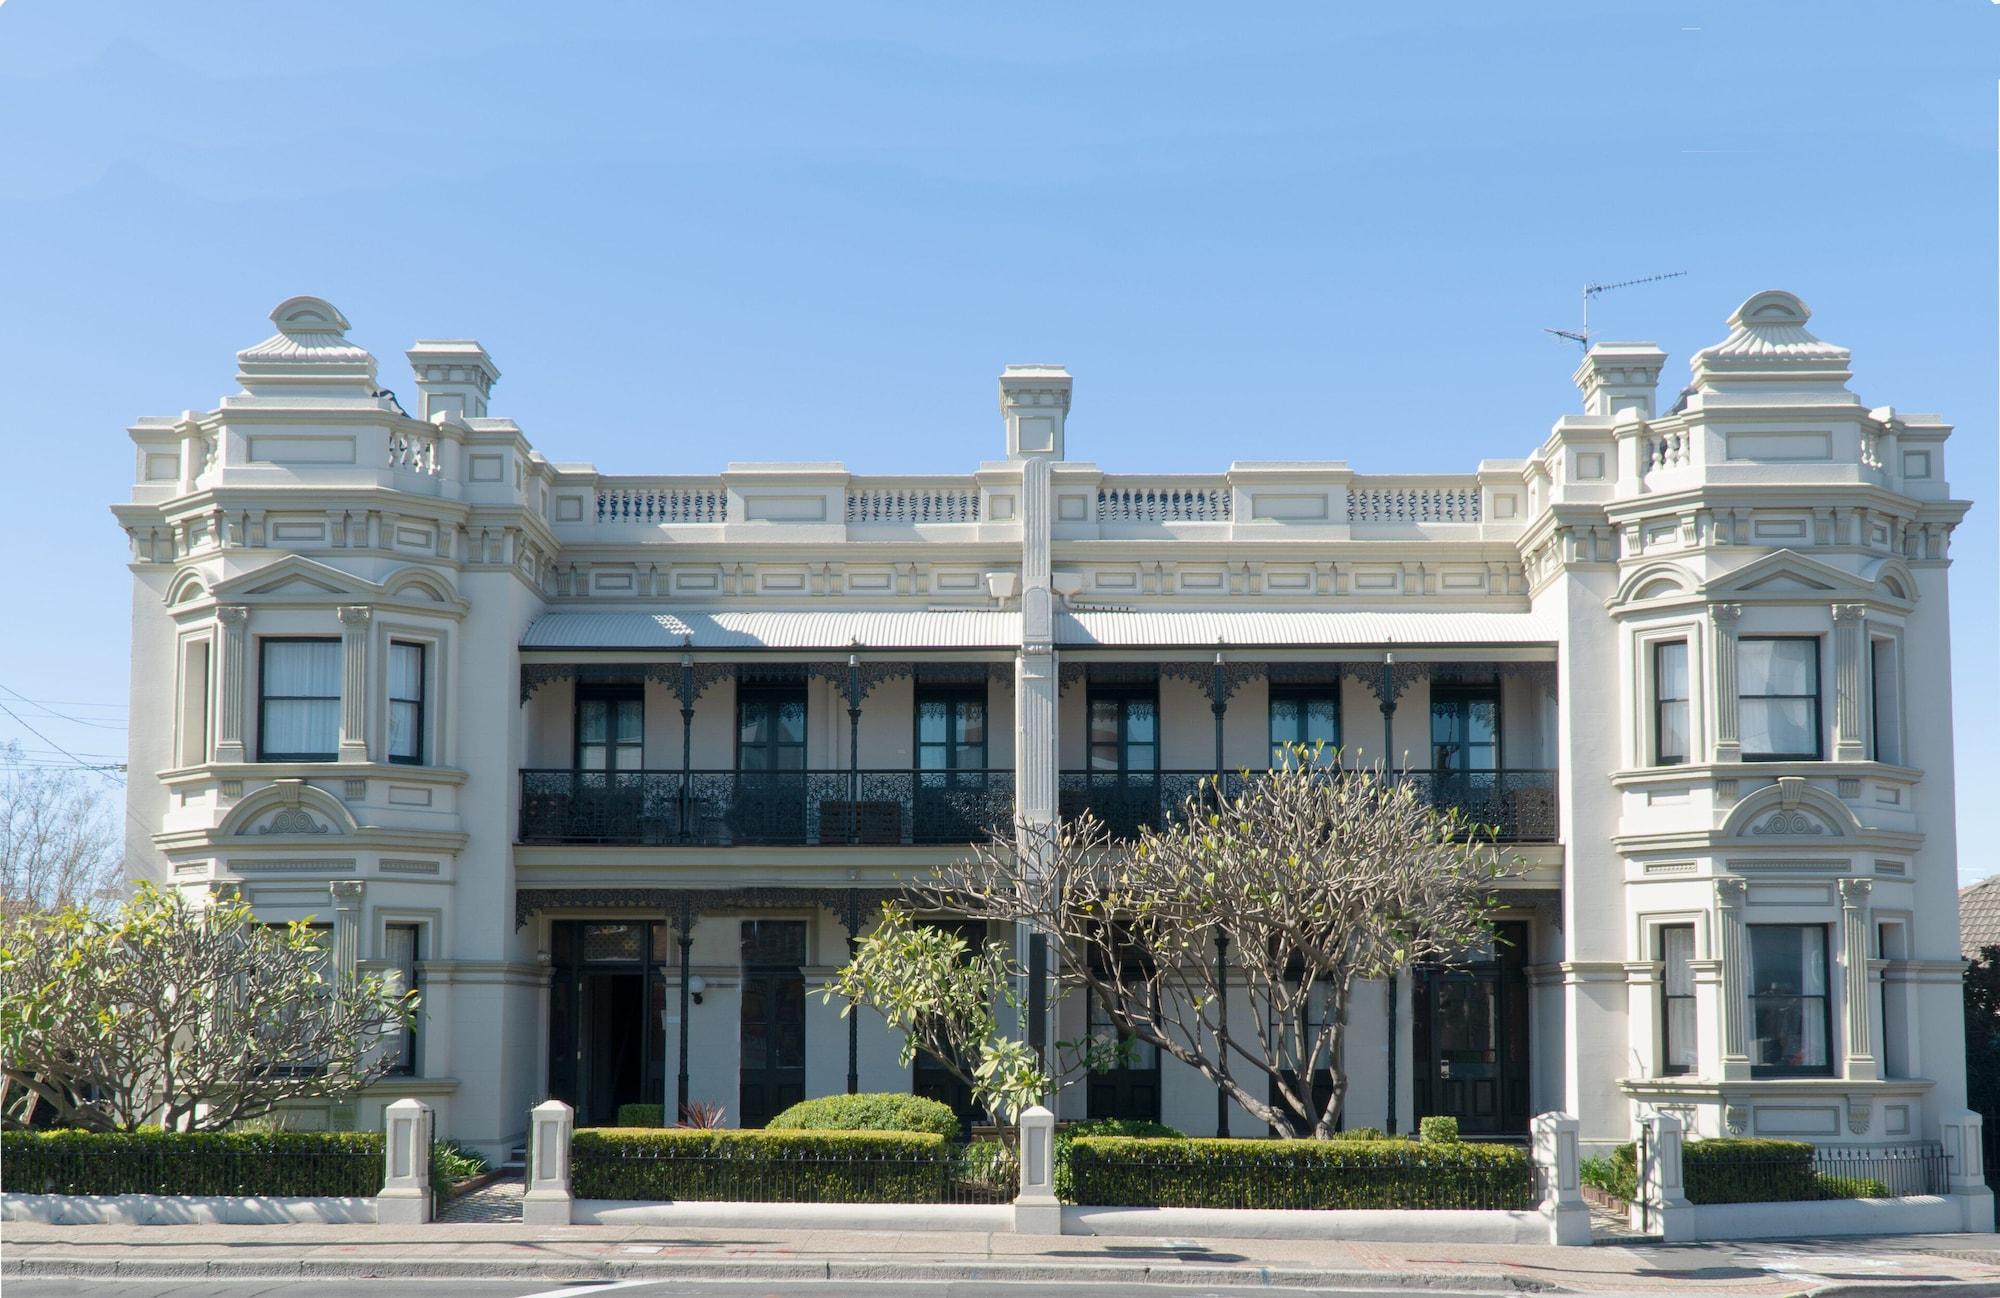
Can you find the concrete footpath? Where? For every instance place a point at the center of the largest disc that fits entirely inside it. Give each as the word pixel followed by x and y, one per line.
pixel 1907 1266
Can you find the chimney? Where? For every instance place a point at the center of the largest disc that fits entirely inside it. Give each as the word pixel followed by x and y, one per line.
pixel 453 374
pixel 1616 377
pixel 1034 400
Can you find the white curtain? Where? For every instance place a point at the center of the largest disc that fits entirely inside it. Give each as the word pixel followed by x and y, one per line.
pixel 1812 984
pixel 301 687
pixel 406 693
pixel 1677 951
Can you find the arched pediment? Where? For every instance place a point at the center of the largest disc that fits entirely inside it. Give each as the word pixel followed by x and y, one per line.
pixel 419 584
pixel 1787 574
pixel 1893 579
pixel 1655 581
pixel 187 587
pixel 288 809
pixel 1791 808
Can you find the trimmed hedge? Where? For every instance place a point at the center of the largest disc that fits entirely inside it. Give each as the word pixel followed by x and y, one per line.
pixel 1438 1129
pixel 870 1111
pixel 1065 1184
pixel 1734 1169
pixel 641 1115
pixel 1317 1174
pixel 151 1161
pixel 759 1166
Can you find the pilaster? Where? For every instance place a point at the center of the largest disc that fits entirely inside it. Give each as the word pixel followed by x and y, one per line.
pixel 346 895
pixel 1862 1064
pixel 354 620
pixel 1730 895
pixel 234 645
pixel 1850 743
pixel 1722 619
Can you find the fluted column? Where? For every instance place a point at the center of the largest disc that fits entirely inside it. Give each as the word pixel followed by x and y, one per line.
pixel 1854 924
pixel 354 619
pixel 232 648
pixel 1722 624
pixel 1850 742
pixel 1729 898
pixel 346 925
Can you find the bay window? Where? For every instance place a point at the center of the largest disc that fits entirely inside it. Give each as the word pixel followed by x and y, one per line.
pixel 1778 711
pixel 298 700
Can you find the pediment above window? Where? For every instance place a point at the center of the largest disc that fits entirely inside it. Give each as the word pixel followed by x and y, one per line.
pixel 1787 575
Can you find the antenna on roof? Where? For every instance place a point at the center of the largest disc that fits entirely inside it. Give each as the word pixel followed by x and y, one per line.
pixel 1581 337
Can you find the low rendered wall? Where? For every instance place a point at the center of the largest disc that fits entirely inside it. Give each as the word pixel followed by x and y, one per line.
pixel 1378 1225
pixel 1916 1215
pixel 795 1216
pixel 180 1210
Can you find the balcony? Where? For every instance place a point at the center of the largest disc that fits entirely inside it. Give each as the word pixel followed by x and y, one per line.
pixel 768 808
pixel 1520 805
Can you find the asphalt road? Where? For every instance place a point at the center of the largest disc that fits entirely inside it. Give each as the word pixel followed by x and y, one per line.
pixel 24 1288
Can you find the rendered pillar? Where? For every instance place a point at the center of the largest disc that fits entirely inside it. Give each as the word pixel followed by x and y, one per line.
pixel 1660 1176
pixel 1556 1155
pixel 1862 1063
pixel 1037 1211
pixel 547 1201
pixel 354 620
pixel 406 1183
pixel 231 650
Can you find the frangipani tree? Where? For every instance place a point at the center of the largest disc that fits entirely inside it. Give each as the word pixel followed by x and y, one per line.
pixel 188 1016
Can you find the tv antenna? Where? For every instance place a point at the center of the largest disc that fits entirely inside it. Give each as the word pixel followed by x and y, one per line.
pixel 1581 337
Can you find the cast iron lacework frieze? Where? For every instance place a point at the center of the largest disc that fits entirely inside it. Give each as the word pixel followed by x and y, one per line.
pixel 851 906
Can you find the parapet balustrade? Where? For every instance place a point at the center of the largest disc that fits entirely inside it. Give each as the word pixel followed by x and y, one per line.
pixel 913 504
pixel 664 502
pixel 1413 504
pixel 1207 502
pixel 413 452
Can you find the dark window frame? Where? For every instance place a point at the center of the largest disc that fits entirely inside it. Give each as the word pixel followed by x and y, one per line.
pixel 1818 752
pixel 952 695
pixel 1825 999
pixel 1468 693
pixel 1301 693
pixel 767 692
pixel 1661 757
pixel 264 700
pixel 610 694
pixel 422 702
pixel 1122 694
pixel 410 1064
pixel 1668 1068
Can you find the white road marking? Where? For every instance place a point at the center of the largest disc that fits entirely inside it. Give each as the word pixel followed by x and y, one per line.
pixel 579 1290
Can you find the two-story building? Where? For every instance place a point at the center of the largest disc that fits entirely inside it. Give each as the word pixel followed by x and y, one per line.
pixel 616 768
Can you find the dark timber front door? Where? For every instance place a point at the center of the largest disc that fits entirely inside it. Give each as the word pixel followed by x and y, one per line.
pixel 1471 1039
pixel 770 802
pixel 773 1076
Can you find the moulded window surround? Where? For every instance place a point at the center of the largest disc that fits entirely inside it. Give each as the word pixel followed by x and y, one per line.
pixel 1791 1006
pixel 194 702
pixel 1672 739
pixel 402 952
pixel 1678 1050
pixel 1885 732
pixel 1778 700
pixel 298 699
pixel 407 666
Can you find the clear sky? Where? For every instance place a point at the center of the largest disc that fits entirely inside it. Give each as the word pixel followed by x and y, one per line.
pixel 699 233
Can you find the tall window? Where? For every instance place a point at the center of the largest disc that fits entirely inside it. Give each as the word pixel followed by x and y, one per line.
pixel 771 729
pixel 1677 1043
pixel 951 729
pixel 1887 733
pixel 400 953
pixel 1304 714
pixel 298 701
pixel 1790 1014
pixel 1124 732
pixel 1670 703
pixel 1777 709
pixel 406 703
pixel 1465 728
pixel 610 729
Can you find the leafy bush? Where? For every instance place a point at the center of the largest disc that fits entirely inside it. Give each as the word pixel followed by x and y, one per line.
pixel 1065 1186
pixel 989 1163
pixel 1731 1169
pixel 452 1164
pixel 1362 1133
pixel 1608 1174
pixel 759 1166
pixel 1438 1129
pixel 1851 1187
pixel 151 1161
pixel 641 1115
pixel 1299 1174
pixel 875 1111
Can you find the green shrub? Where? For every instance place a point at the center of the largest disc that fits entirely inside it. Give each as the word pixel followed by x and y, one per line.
pixel 151 1161
pixel 1064 1186
pixel 1732 1169
pixel 1609 1174
pixel 641 1115
pixel 1851 1187
pixel 759 1166
pixel 1115 1171
pixel 989 1164
pixel 452 1164
pixel 1361 1133
pixel 875 1111
pixel 1438 1129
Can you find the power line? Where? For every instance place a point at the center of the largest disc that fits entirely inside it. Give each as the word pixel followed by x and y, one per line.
pixel 52 743
pixel 46 709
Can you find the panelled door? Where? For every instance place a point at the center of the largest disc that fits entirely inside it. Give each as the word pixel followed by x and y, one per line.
pixel 1470 1039
pixel 610 754
pixel 951 763
pixel 931 1079
pixel 770 802
pixel 773 1020
pixel 1124 740
pixel 1465 749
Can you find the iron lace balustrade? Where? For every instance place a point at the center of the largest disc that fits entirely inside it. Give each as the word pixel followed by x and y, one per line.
pixel 1520 805
pixel 773 808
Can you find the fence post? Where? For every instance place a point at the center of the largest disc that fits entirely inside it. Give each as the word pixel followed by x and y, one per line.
pixel 1562 1185
pixel 547 1200
pixel 1037 1211
pixel 1962 1132
pixel 1660 1183
pixel 406 1182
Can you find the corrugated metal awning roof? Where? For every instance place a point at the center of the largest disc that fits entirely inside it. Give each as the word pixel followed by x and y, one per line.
pixel 775 629
pixel 1303 628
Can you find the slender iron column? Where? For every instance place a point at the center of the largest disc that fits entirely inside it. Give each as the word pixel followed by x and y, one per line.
pixel 1222 1016
pixel 687 751
pixel 1388 750
pixel 853 770
pixel 852 918
pixel 684 924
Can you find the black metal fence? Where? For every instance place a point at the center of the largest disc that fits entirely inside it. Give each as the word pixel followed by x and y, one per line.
pixel 975 1174
pixel 1828 1173
pixel 170 1168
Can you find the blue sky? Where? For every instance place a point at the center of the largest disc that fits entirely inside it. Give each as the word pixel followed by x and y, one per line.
pixel 692 234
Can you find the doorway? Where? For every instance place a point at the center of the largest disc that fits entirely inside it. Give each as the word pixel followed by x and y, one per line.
pixel 772 1075
pixel 606 1036
pixel 1471 1038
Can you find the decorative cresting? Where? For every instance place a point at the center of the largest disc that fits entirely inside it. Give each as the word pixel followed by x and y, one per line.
pixel 1413 505
pixel 1235 675
pixel 693 680
pixel 1205 504
pixel 851 906
pixel 913 505
pixel 703 503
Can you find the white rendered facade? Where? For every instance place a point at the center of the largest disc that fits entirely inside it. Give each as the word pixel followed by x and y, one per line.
pixel 526 726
